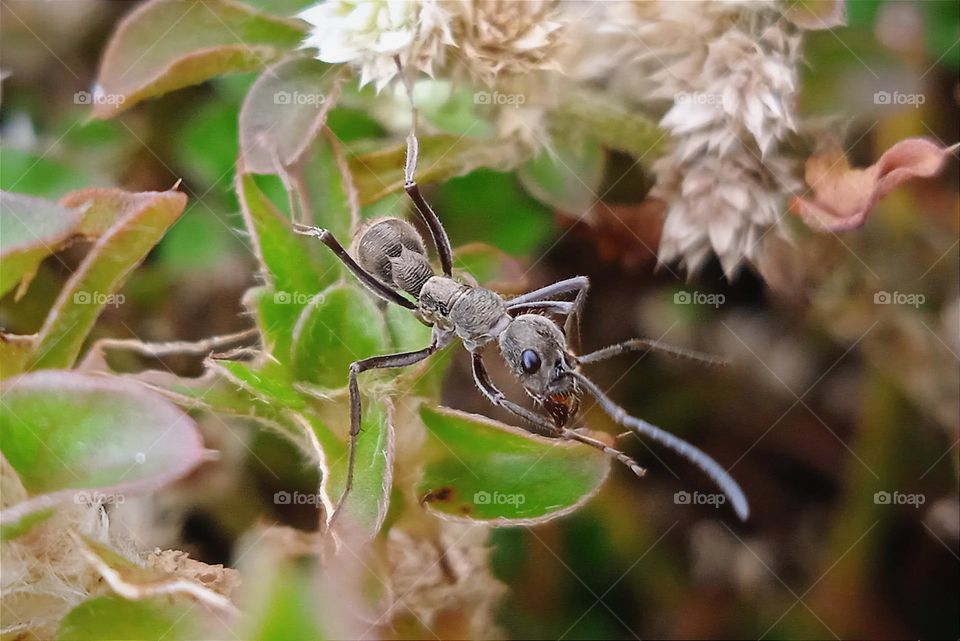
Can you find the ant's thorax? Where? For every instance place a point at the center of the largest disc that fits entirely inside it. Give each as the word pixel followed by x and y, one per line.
pixel 476 315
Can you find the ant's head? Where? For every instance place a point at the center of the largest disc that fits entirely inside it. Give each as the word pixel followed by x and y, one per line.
pixel 536 351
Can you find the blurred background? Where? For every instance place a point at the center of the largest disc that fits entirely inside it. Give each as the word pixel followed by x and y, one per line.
pixel 838 414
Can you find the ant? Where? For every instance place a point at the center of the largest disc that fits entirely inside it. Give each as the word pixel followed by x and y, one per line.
pixel 391 258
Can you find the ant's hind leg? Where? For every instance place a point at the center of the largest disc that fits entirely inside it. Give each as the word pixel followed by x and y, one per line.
pixel 368 280
pixel 402 359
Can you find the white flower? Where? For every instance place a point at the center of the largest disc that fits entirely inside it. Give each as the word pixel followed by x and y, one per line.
pixel 370 33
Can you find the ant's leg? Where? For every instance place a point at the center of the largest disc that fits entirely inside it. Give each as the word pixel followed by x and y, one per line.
pixel 578 284
pixel 367 279
pixel 646 345
pixel 439 234
pixel 562 307
pixel 539 424
pixel 403 359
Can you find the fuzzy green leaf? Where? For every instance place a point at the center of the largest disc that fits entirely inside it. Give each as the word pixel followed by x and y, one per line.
pixel 295 272
pixel 68 435
pixel 284 111
pixel 30 230
pixel 137 222
pixel 340 326
pixel 113 617
pixel 366 505
pixel 483 470
pixel 165 45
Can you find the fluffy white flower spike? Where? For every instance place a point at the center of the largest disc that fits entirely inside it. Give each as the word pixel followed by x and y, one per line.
pixel 369 33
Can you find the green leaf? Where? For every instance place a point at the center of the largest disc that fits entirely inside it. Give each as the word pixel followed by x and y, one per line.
pixel 30 230
pixel 15 353
pixel 380 173
pixel 328 189
pixel 491 207
pixel 612 122
pixel 291 268
pixel 340 326
pixel 483 470
pixel 284 111
pixel 288 610
pixel 138 221
pixel 276 317
pixel 31 173
pixel 366 505
pixel 406 332
pixel 70 435
pixel 490 267
pixel 113 617
pixel 568 179
pixel 165 45
pixel 271 384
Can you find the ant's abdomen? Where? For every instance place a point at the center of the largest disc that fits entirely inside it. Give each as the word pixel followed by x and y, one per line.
pixel 393 251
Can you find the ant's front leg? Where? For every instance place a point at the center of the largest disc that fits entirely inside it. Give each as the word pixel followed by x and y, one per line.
pixel 539 424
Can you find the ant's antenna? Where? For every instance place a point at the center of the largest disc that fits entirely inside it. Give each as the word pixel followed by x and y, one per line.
pixel 696 456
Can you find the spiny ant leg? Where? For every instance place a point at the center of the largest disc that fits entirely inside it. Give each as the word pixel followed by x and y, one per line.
pixel 561 307
pixel 539 424
pixel 645 345
pixel 571 327
pixel 693 454
pixel 367 279
pixel 559 288
pixel 440 239
pixel 402 359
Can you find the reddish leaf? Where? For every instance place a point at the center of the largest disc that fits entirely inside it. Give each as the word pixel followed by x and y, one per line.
pixel 843 196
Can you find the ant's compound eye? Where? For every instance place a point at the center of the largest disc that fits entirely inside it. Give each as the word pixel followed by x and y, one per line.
pixel 530 361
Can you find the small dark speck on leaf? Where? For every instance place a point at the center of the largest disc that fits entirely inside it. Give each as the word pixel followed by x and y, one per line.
pixel 442 494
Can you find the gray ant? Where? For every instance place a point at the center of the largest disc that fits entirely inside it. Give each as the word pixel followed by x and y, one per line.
pixel 391 258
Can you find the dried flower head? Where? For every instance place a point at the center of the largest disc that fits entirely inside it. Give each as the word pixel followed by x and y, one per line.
pixel 724 204
pixel 506 37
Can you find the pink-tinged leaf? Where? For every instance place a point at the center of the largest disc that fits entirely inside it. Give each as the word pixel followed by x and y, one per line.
pixel 139 222
pixel 165 45
pixel 843 196
pixel 30 230
pixel 284 111
pixel 72 436
pixel 815 15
